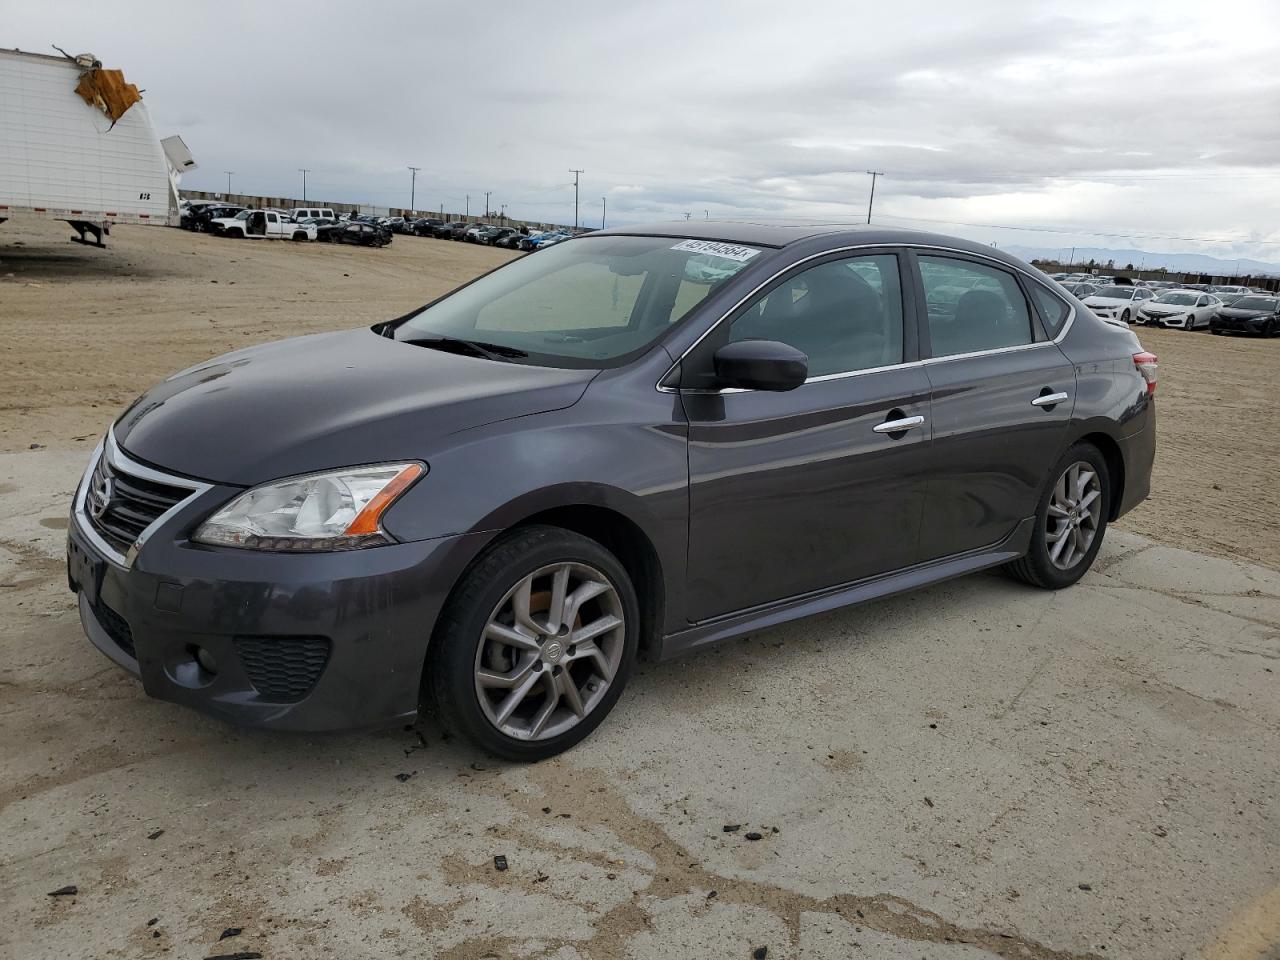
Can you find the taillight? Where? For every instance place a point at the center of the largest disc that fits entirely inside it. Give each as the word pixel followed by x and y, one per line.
pixel 1148 368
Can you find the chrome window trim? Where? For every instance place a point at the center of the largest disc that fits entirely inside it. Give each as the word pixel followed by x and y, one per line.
pixel 1066 324
pixel 118 459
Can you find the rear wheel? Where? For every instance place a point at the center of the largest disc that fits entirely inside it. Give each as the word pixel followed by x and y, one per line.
pixel 1071 520
pixel 1269 329
pixel 536 644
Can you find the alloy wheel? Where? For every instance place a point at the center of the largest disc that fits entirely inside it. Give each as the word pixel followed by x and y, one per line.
pixel 550 650
pixel 1074 514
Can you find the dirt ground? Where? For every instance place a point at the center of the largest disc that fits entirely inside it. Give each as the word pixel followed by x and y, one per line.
pixel 974 770
pixel 87 330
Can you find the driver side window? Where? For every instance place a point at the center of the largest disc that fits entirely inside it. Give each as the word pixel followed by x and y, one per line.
pixel 844 315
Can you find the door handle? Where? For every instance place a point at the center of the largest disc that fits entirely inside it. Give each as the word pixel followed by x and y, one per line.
pixel 1049 400
pixel 898 426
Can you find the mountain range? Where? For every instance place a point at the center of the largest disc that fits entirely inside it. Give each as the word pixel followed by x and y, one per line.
pixel 1178 262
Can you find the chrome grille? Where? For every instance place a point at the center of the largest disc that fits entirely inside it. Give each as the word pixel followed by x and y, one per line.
pixel 121 500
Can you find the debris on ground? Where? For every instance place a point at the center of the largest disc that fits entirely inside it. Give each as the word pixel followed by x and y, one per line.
pixel 499 862
pixel 403 777
pixel 230 932
pixel 155 836
pixel 928 802
pixel 753 835
pixel 242 955
pixel 68 891
pixel 731 827
pixel 759 953
pixel 1085 886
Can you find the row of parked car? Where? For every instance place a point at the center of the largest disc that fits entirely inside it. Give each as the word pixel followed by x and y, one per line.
pixel 299 224
pixel 323 223
pixel 512 238
pixel 1219 308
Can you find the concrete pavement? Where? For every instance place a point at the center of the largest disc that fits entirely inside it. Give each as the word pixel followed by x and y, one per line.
pixel 976 769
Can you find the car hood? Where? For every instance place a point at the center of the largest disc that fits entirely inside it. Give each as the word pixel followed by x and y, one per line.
pixel 1240 313
pixel 1107 302
pixel 328 400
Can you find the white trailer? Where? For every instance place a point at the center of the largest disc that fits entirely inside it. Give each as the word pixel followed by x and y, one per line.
pixel 64 159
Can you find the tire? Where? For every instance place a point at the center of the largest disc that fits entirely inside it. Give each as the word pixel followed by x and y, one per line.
pixel 1269 329
pixel 1037 567
pixel 462 649
pixel 1125 316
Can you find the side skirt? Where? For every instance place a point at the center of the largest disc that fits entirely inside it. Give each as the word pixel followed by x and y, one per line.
pixel 833 598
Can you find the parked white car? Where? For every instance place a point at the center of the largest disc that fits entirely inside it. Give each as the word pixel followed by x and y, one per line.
pixel 1180 309
pixel 1118 302
pixel 262 225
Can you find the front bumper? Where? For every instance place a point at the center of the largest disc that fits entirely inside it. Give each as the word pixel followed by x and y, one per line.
pixel 1176 320
pixel 298 642
pixel 1254 325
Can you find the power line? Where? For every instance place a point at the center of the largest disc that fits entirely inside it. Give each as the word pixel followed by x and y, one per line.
pixel 576 174
pixel 413 184
pixel 872 198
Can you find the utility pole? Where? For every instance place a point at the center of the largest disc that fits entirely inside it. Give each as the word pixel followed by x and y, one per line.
pixel 413 186
pixel 874 174
pixel 228 173
pixel 604 211
pixel 688 214
pixel 1073 257
pixel 486 203
pixel 304 171
pixel 576 174
pixel 502 213
pixel 467 215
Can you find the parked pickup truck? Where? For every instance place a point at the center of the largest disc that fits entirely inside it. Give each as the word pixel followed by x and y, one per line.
pixel 262 225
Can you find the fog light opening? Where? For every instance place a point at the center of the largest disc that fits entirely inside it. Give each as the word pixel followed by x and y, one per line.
pixel 206 660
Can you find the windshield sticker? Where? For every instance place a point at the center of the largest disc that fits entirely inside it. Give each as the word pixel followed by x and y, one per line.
pixel 712 248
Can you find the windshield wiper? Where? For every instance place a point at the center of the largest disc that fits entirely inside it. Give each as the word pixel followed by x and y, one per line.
pixel 471 348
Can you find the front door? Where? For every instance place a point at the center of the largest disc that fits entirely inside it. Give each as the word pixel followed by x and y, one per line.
pixel 795 491
pixel 1002 396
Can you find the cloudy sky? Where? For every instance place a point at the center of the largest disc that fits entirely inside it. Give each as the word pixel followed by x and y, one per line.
pixel 1116 124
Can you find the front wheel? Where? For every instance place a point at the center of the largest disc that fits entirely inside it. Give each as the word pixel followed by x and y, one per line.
pixel 1070 522
pixel 1125 316
pixel 535 645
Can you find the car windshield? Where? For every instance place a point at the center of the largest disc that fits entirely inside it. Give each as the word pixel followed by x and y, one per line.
pixel 1256 303
pixel 1177 299
pixel 243 214
pixel 591 302
pixel 1116 293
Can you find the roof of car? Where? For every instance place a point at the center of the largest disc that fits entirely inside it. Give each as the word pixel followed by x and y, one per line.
pixel 781 233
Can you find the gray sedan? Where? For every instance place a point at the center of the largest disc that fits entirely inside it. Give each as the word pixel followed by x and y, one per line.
pixel 640 441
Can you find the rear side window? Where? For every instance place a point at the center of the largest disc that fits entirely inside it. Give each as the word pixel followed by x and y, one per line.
pixel 1053 310
pixel 972 307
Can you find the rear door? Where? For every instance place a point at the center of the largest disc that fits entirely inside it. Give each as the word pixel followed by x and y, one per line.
pixel 1002 395
pixel 796 491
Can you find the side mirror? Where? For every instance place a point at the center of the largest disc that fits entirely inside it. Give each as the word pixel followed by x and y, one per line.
pixel 761 365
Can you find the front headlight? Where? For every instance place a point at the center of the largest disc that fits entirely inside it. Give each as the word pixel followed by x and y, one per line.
pixel 337 510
